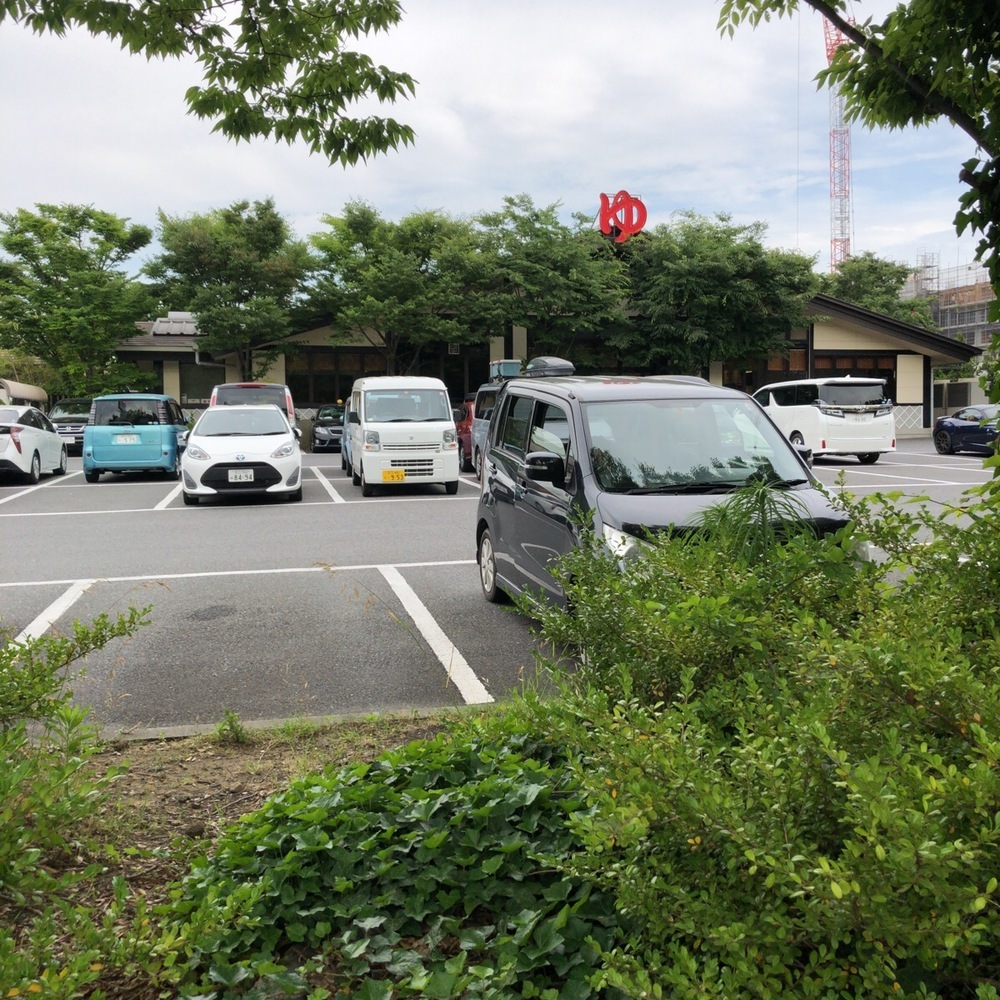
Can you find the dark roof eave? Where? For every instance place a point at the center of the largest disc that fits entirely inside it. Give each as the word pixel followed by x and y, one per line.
pixel 827 305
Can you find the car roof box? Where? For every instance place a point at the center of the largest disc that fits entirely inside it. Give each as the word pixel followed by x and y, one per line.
pixel 539 367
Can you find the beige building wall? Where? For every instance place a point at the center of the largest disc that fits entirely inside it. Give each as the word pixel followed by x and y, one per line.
pixel 909 378
pixel 172 379
pixel 827 337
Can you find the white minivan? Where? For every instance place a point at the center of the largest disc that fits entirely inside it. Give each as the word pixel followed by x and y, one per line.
pixel 845 415
pixel 402 430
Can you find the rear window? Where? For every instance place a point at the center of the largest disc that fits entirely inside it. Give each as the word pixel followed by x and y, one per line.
pixel 841 394
pixel 227 395
pixel 108 412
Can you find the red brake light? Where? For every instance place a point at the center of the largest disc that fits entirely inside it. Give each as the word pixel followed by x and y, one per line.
pixel 15 436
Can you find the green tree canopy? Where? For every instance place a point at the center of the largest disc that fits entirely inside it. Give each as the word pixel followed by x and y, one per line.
pixel 706 290
pixel 561 282
pixel 240 271
pixel 874 283
pixel 279 70
pixel 64 297
pixel 399 287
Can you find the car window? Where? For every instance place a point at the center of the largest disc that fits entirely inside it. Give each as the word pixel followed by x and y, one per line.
pixel 8 415
pixel 784 396
pixel 77 409
pixel 108 412
pixel 226 422
pixel 486 399
pixel 514 421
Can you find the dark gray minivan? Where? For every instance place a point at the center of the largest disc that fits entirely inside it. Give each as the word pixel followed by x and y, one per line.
pixel 632 455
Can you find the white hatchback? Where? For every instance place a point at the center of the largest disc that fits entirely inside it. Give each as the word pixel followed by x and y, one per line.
pixel 30 443
pixel 242 450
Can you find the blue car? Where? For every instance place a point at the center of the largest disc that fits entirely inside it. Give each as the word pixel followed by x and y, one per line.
pixel 133 432
pixel 973 428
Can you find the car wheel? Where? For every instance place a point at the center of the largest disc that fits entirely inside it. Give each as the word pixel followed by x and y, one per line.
pixel 92 476
pixel 451 488
pixel 796 438
pixel 367 490
pixel 868 458
pixel 175 471
pixel 479 464
pixel 343 461
pixel 63 463
pixel 35 472
pixel 943 443
pixel 488 569
pixel 355 478
pixel 191 500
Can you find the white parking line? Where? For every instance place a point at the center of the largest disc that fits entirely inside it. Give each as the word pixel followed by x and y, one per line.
pixel 459 672
pixel 38 486
pixel 171 496
pixel 328 486
pixel 55 611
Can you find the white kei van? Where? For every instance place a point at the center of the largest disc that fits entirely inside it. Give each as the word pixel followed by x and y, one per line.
pixel 402 431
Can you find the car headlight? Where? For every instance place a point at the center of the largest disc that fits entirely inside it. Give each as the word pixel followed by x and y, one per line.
pixel 322 432
pixel 371 442
pixel 198 454
pixel 450 439
pixel 622 545
pixel 284 451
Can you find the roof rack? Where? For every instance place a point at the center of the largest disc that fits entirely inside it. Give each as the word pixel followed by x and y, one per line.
pixel 539 367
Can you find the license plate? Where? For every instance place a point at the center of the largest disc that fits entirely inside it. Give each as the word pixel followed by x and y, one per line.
pixel 126 439
pixel 393 475
pixel 857 418
pixel 241 475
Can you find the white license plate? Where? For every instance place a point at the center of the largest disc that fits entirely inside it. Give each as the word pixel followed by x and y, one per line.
pixel 126 439
pixel 857 418
pixel 241 475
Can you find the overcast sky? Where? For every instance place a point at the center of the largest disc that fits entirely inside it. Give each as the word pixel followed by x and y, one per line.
pixel 558 99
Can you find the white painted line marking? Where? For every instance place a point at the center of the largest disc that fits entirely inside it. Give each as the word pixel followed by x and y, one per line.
pixel 328 486
pixel 455 665
pixel 240 572
pixel 38 486
pixel 55 611
pixel 171 496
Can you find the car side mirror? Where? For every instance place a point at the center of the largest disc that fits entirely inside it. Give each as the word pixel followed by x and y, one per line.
pixel 545 467
pixel 297 431
pixel 805 453
pixel 354 417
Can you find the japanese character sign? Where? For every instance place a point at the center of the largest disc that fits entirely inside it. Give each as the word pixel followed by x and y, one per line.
pixel 623 215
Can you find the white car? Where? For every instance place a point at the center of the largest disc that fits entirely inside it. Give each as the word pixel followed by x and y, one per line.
pixel 30 443
pixel 241 450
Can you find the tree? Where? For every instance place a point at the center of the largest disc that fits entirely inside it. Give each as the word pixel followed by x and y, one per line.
pixel 563 283
pixel 270 69
pixel 64 298
pixel 707 290
pixel 928 59
pixel 875 284
pixel 400 287
pixel 239 270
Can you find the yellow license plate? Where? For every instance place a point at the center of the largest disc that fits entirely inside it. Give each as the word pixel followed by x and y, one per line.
pixel 393 475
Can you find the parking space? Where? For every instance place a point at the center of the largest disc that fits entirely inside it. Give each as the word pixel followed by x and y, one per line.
pixel 335 605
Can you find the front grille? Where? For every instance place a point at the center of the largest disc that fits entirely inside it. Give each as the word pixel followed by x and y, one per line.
pixel 217 477
pixel 429 449
pixel 414 466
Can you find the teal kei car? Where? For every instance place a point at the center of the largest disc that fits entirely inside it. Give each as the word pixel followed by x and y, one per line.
pixel 133 432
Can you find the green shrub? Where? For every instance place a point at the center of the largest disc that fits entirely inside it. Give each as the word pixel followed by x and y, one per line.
pixel 431 872
pixel 793 757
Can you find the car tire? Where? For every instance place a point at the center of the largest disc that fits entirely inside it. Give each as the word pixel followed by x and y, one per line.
pixel 796 438
pixel 191 500
pixel 35 472
pixel 478 464
pixel 451 488
pixel 60 470
pixel 868 458
pixel 488 569
pixel 943 443
pixel 343 461
pixel 93 476
pixel 175 472
pixel 355 478
pixel 367 490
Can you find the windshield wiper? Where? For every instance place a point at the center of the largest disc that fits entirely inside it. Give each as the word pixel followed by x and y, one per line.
pixel 713 486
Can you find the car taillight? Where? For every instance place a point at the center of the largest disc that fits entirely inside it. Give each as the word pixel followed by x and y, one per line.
pixel 15 436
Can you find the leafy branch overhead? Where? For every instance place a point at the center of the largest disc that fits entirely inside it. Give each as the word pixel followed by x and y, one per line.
pixel 278 71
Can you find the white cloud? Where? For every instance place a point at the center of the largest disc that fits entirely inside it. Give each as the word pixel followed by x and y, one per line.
pixel 558 99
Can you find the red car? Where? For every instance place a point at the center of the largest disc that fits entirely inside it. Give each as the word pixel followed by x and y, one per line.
pixel 463 424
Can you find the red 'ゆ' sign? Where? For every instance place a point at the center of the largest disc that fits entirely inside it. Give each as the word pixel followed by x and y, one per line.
pixel 623 213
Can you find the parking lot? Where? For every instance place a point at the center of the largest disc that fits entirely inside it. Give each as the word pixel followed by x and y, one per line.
pixel 336 605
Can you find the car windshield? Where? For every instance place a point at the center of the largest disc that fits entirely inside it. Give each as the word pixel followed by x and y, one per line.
pixel 76 409
pixel 682 445
pixel 232 422
pixel 330 413
pixel 842 394
pixel 990 411
pixel 383 406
